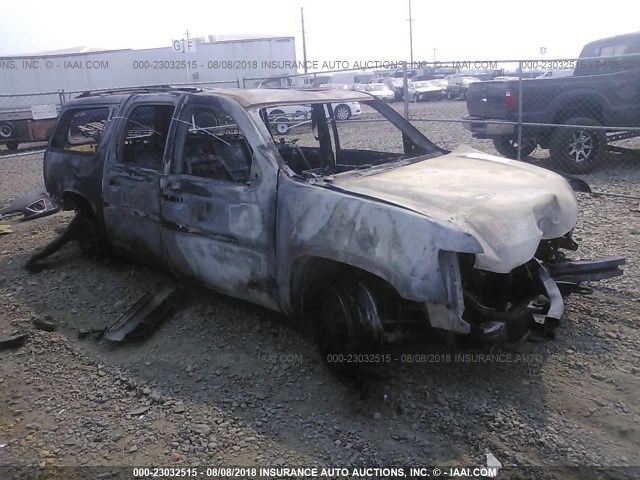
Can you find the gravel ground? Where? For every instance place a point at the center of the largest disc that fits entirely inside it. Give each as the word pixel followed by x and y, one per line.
pixel 226 383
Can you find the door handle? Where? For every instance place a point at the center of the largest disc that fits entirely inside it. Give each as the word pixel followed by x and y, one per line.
pixel 172 198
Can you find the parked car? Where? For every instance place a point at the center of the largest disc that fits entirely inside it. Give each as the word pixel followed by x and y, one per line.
pixel 603 91
pixel 428 90
pixel 556 73
pixel 381 91
pixel 457 86
pixel 285 117
pixel 375 241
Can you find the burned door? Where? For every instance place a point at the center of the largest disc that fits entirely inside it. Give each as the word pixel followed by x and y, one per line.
pixel 218 202
pixel 131 183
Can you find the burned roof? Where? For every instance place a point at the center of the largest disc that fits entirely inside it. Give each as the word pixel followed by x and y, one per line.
pixel 248 98
pixel 262 97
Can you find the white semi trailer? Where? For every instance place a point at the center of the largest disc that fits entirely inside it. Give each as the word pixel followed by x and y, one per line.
pixel 32 87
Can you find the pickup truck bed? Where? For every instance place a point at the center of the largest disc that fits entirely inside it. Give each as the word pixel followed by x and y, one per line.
pixel 603 93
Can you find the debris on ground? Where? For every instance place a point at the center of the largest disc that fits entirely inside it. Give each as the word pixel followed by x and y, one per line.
pixel 145 314
pixel 34 204
pixel 13 342
pixel 44 324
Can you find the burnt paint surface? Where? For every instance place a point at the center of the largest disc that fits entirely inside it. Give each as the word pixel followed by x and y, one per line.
pixel 396 244
pixel 255 241
pixel 219 232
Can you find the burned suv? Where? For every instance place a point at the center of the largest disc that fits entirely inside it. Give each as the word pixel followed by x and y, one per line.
pixel 364 225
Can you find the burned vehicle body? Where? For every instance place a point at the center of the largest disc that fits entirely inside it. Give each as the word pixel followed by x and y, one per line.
pixel 372 242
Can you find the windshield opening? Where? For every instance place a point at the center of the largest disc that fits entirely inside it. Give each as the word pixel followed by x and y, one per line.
pixel 323 139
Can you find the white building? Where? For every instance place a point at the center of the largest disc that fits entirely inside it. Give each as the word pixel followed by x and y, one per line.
pixel 210 59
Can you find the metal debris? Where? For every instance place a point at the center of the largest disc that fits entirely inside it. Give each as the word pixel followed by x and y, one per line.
pixel 146 314
pixel 13 342
pixel 34 204
pixel 45 325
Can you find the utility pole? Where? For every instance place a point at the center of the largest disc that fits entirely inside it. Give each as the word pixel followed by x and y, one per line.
pixel 304 41
pixel 434 55
pixel 410 34
pixel 186 61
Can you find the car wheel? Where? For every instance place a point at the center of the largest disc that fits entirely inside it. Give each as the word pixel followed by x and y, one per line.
pixel 578 150
pixel 88 235
pixel 508 146
pixel 12 145
pixel 6 130
pixel 342 112
pixel 348 323
pixel 276 112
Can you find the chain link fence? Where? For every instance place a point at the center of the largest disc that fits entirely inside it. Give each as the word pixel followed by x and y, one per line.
pixel 580 117
pixel 27 119
pixel 577 116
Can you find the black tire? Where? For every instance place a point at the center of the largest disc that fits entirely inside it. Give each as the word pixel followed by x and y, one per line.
pixel 12 145
pixel 7 130
pixel 88 235
pixel 578 150
pixel 348 323
pixel 342 112
pixel 276 112
pixel 508 146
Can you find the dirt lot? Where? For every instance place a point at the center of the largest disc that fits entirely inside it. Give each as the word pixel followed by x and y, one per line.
pixel 226 383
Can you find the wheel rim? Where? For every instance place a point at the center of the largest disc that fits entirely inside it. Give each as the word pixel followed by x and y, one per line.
pixel 342 113
pixel 581 146
pixel 5 131
pixel 282 127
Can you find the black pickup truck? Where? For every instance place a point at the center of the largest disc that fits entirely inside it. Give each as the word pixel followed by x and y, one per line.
pixel 604 91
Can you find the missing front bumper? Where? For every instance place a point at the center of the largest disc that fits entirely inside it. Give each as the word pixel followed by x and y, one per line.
pixel 537 304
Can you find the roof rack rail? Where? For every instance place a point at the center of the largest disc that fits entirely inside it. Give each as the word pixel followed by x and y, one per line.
pixel 140 89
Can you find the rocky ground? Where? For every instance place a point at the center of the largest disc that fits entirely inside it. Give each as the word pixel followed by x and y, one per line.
pixel 226 383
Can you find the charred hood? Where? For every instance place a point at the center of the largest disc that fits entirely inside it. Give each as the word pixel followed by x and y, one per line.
pixel 508 206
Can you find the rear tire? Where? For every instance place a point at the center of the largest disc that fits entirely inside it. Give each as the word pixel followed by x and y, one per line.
pixel 12 145
pixel 578 150
pixel 87 233
pixel 508 146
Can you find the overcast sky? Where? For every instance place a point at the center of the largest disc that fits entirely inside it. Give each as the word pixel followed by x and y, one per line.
pixel 336 29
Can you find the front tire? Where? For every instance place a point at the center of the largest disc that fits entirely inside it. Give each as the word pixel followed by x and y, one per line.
pixel 508 146
pixel 348 324
pixel 12 145
pixel 578 150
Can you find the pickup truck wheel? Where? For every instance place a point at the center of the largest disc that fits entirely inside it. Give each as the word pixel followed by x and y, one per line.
pixel 348 323
pixel 578 150
pixel 508 146
pixel 12 145
pixel 6 130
